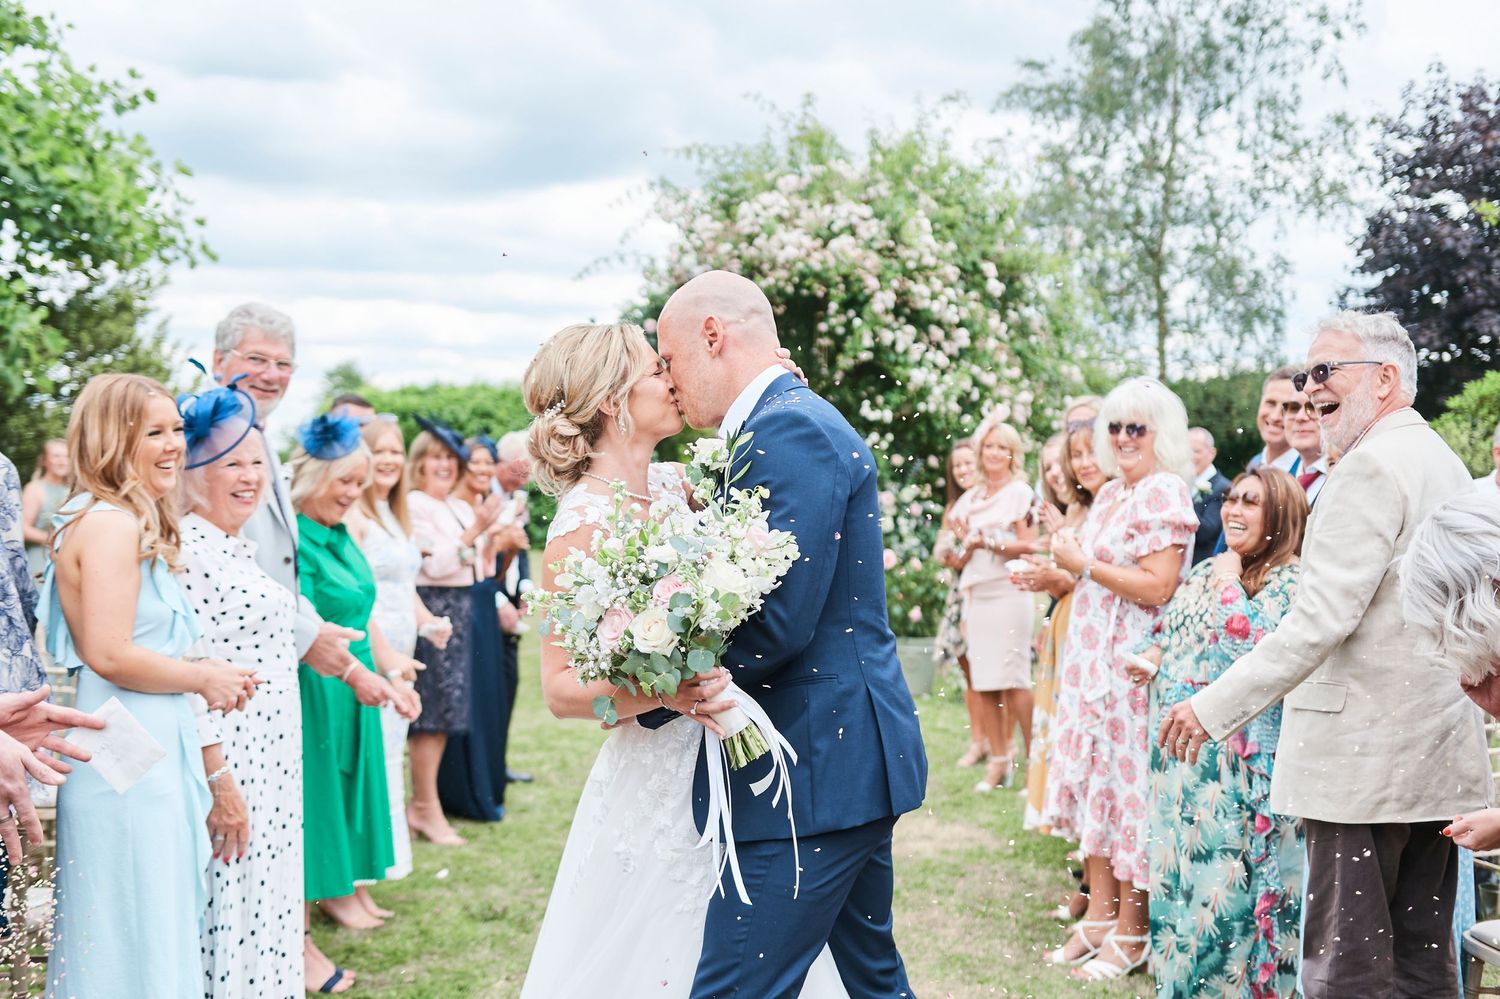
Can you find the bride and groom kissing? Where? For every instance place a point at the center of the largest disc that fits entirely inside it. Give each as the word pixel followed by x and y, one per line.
pixel 636 908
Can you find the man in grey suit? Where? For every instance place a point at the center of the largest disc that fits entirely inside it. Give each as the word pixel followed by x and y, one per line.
pixel 1379 746
pixel 260 343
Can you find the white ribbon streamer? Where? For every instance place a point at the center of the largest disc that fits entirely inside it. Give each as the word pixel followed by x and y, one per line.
pixel 720 807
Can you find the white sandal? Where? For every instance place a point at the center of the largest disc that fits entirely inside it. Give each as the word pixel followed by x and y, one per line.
pixel 1059 956
pixel 1105 970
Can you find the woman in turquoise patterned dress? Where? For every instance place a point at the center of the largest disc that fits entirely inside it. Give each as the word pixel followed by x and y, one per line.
pixel 1226 874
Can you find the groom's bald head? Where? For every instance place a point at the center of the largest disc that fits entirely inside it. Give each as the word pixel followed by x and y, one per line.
pixel 717 332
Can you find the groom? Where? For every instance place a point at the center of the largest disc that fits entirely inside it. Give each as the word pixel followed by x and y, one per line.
pixel 819 657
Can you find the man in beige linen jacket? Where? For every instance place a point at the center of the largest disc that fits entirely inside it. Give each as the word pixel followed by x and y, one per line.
pixel 1379 746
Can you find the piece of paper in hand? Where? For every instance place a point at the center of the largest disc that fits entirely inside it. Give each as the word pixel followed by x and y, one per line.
pixel 123 750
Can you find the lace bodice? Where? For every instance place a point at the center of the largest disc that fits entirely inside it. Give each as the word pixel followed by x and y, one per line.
pixel 584 505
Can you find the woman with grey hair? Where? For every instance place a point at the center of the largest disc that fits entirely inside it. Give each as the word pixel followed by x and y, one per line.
pixel 1130 556
pixel 252 931
pixel 1450 574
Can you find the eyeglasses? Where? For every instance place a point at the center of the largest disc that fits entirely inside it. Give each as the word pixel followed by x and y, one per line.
pixel 1294 409
pixel 1248 499
pixel 1320 373
pixel 1132 430
pixel 259 363
pixel 1073 426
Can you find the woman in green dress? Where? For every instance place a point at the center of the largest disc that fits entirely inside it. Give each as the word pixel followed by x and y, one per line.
pixel 347 817
pixel 1226 873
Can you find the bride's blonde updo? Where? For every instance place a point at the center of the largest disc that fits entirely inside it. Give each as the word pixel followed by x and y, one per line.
pixel 577 372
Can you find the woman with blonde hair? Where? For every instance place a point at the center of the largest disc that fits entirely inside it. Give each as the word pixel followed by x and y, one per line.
pixel 381 525
pixel 603 401
pixel 40 499
pixel 1129 558
pixel 994 524
pixel 453 539
pixel 116 616
pixel 346 798
pixel 1226 871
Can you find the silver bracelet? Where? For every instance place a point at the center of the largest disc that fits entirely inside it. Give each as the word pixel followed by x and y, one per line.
pixel 218 774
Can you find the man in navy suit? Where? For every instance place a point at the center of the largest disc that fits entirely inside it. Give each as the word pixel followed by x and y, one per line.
pixel 819 657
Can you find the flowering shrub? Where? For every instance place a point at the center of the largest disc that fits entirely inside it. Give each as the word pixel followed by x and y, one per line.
pixel 906 288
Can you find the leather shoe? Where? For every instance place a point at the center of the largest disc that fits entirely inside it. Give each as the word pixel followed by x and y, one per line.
pixel 516 777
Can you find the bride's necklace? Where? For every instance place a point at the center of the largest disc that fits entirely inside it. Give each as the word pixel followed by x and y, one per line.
pixel 614 482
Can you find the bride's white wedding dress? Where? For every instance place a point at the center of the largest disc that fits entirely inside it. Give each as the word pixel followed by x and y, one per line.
pixel 625 919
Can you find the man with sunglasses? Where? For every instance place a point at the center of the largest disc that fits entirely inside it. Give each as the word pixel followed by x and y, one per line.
pixel 1306 439
pixel 260 343
pixel 1379 747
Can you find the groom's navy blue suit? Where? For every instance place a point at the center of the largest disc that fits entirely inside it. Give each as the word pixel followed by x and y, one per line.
pixel 821 659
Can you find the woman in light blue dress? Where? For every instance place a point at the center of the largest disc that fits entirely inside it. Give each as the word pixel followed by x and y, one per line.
pixel 131 866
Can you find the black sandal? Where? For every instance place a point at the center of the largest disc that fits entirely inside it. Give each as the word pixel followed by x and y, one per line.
pixel 333 981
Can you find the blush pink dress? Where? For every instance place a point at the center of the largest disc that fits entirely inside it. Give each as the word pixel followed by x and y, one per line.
pixel 997 616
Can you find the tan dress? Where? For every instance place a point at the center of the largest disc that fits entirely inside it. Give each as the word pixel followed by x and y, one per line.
pixel 997 615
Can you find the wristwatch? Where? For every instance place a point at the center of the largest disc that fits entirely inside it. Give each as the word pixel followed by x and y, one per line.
pixel 1088 571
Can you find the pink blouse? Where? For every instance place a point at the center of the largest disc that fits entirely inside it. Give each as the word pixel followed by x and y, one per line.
pixel 994 518
pixel 437 526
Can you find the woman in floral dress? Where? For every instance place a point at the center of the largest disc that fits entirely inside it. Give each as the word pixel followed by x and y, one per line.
pixel 1226 873
pixel 1130 557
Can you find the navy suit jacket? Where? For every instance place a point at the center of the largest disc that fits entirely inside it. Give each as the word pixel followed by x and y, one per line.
pixel 820 656
pixel 1209 507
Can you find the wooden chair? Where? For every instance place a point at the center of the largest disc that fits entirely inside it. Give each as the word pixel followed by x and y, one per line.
pixel 1482 940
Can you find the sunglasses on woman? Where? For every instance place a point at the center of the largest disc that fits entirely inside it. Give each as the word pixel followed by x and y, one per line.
pixel 1135 431
pixel 1320 373
pixel 1247 498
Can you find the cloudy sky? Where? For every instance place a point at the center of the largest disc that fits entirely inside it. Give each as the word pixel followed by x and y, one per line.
pixel 421 186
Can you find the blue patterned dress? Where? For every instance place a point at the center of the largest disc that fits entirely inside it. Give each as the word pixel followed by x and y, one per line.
pixel 131 868
pixel 20 663
pixel 1226 874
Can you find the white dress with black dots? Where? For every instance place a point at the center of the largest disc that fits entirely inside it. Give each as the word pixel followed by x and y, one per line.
pixel 252 933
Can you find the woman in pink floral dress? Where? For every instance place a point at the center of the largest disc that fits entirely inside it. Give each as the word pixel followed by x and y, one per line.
pixel 1130 557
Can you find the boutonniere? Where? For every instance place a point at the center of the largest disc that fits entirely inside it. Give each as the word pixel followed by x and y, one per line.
pixel 714 464
pixel 1202 488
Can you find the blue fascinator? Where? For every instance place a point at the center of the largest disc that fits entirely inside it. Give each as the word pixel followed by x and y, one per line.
pixel 446 435
pixel 329 437
pixel 215 422
pixel 488 443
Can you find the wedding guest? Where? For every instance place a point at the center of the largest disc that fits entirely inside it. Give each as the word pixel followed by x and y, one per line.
pixel 1209 487
pixel 252 935
pixel 260 343
pixel 1082 479
pixel 115 615
pixel 353 405
pixel 471 779
pixel 1450 574
pixel 512 473
pixel 1129 558
pixel 1083 410
pixel 1306 438
pixel 27 720
pixel 994 524
pixel 40 500
pixel 346 804
pixel 1270 422
pixel 381 525
pixel 1381 878
pixel 449 533
pixel 1489 485
pixel 1226 872
pixel 952 650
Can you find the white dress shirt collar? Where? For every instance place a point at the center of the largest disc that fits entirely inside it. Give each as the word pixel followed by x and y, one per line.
pixel 744 404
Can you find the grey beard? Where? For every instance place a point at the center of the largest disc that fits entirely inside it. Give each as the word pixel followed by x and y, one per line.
pixel 1356 414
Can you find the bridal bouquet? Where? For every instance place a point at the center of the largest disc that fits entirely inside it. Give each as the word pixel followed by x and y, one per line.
pixel 655 598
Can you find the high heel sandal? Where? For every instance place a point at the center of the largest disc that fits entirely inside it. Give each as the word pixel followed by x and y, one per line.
pixel 1102 969
pixel 992 780
pixel 448 837
pixel 1060 955
pixel 972 756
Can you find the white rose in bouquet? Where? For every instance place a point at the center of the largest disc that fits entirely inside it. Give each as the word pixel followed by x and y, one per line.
pixel 723 576
pixel 652 632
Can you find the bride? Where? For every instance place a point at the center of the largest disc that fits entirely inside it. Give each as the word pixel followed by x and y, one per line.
pixel 627 909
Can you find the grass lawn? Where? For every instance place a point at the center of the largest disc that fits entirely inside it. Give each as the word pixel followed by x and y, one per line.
pixel 972 887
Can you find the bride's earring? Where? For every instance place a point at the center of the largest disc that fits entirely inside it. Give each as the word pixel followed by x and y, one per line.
pixel 620 422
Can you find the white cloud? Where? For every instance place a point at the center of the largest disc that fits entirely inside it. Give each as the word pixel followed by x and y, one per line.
pixel 421 187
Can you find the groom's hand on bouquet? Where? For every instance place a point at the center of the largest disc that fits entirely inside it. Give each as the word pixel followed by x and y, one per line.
pixel 695 698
